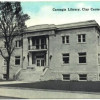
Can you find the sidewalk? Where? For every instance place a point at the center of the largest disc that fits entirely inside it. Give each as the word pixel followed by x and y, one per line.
pixel 30 94
pixel 12 82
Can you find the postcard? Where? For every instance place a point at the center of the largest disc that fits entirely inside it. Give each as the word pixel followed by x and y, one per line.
pixel 49 49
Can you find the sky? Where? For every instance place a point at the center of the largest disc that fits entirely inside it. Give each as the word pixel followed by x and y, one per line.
pixel 41 12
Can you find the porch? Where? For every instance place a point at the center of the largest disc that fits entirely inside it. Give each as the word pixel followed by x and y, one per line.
pixel 37 60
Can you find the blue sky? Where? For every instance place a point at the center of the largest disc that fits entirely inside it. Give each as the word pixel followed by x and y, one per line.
pixel 41 12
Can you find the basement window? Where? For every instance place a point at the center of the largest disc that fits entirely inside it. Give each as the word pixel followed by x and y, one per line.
pixel 66 76
pixel 4 76
pixel 83 77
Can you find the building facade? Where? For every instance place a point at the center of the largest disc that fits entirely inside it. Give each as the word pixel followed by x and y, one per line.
pixel 68 52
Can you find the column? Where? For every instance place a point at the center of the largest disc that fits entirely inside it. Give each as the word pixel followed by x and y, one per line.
pixel 30 41
pixel 47 63
pixel 25 52
pixel 30 59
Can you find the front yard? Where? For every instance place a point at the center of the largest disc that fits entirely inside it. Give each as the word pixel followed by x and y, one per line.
pixel 87 86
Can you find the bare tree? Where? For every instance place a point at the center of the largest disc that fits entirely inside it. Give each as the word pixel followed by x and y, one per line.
pixel 12 24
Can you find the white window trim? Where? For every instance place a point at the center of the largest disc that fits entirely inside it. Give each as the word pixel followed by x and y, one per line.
pixel 82 80
pixel 17 44
pixel 65 39
pixel 81 38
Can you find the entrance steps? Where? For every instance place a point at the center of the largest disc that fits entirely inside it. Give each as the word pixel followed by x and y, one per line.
pixel 30 74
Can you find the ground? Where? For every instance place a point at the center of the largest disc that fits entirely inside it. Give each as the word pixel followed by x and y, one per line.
pixel 44 94
pixel 14 89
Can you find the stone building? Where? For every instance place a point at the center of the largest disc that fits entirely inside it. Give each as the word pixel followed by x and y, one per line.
pixel 68 52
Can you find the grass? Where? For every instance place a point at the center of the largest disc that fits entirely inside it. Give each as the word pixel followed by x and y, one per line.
pixel 87 86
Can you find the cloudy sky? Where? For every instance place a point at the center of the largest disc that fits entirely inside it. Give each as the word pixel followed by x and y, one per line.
pixel 42 12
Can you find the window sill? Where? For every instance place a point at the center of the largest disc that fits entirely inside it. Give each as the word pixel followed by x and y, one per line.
pixel 65 80
pixel 66 43
pixel 4 65
pixel 81 42
pixel 17 65
pixel 64 64
pixel 82 63
pixel 17 47
pixel 82 80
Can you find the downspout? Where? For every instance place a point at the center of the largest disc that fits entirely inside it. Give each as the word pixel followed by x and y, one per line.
pixel 22 50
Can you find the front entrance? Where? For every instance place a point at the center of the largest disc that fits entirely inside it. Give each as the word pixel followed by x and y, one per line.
pixel 40 60
pixel 37 59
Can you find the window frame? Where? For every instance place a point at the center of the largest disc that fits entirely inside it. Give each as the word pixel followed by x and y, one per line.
pixel 17 59
pixel 5 44
pixel 67 57
pixel 39 43
pixel 65 39
pixel 66 77
pixel 5 62
pixel 98 58
pixel 18 43
pixel 81 38
pixel 84 78
pixel 82 56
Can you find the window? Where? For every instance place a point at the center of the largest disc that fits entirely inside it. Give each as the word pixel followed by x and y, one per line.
pixel 81 38
pixel 39 43
pixel 66 58
pixel 5 63
pixel 4 44
pixel 40 60
pixel 18 43
pixel 98 58
pixel 17 60
pixel 98 40
pixel 66 77
pixel 82 76
pixel 43 43
pixel 65 39
pixel 4 76
pixel 82 57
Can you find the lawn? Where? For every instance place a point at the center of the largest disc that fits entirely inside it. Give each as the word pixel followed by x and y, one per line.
pixel 87 86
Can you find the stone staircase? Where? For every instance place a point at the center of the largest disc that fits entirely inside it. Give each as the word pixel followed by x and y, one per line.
pixel 31 75
pixel 48 75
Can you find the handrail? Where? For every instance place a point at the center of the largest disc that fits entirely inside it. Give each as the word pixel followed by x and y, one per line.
pixel 35 47
pixel 44 70
pixel 17 74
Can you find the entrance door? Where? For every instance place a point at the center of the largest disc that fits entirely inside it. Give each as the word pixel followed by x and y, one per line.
pixel 40 60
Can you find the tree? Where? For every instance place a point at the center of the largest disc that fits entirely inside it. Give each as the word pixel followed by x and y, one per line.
pixel 12 24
